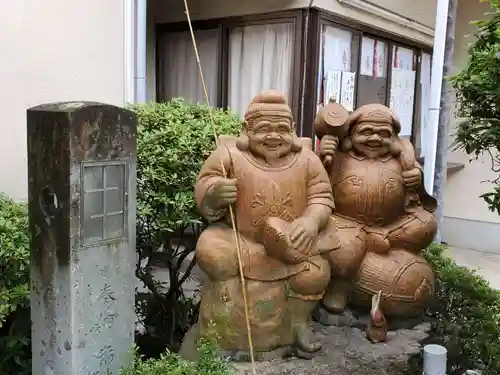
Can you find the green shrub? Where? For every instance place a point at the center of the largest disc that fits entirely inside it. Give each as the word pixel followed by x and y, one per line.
pixel 15 354
pixel 209 362
pixel 174 139
pixel 478 99
pixel 465 316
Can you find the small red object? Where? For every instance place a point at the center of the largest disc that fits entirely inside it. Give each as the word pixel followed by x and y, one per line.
pixel 377 328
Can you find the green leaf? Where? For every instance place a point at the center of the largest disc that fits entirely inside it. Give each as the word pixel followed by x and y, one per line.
pixel 478 98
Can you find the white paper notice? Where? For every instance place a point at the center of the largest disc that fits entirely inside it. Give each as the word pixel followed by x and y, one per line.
pixel 347 90
pixel 367 56
pixel 337 49
pixel 380 59
pixel 403 97
pixel 403 58
pixel 333 82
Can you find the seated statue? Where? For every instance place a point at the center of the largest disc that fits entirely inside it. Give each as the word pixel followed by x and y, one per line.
pixel 383 215
pixel 282 205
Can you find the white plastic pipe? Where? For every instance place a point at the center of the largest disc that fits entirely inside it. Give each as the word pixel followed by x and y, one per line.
pixel 141 53
pixel 435 100
pixel 434 360
pixel 129 51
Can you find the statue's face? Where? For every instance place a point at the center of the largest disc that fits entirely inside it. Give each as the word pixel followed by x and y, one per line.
pixel 271 137
pixel 372 139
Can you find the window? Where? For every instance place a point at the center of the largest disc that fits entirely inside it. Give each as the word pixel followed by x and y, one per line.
pixel 179 73
pixel 338 66
pixel 104 202
pixel 260 58
pixel 359 68
pixel 403 80
pixel 373 80
pixel 242 56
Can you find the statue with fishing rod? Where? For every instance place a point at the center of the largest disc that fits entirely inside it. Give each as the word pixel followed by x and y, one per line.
pixel 301 231
pixel 283 206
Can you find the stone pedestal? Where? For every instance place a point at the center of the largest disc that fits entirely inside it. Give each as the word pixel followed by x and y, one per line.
pixel 82 173
pixel 346 351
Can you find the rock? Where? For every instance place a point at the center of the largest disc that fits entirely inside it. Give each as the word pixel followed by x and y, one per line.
pixel 358 318
pixel 346 351
pixel 346 319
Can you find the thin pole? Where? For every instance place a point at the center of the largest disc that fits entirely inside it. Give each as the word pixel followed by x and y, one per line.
pixel 436 88
pixel 304 74
pixel 444 120
pixel 231 213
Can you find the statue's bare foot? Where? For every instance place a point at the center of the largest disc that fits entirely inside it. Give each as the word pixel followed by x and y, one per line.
pixel 335 301
pixel 305 339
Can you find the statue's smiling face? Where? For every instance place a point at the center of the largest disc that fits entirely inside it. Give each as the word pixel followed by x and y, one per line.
pixel 372 139
pixel 271 137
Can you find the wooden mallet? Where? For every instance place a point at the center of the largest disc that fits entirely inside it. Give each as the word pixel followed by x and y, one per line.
pixel 333 120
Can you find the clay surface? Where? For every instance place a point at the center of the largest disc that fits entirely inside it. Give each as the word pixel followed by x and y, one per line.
pixel 383 214
pixel 281 199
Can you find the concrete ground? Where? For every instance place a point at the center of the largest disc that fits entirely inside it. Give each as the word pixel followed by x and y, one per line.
pixel 486 264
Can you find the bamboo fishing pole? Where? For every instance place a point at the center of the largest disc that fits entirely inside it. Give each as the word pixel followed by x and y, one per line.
pixel 231 212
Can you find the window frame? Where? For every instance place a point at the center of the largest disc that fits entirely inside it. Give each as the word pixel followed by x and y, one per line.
pixel 388 72
pixel 355 51
pixel 85 193
pixel 163 28
pixel 320 17
pixel 293 17
pixel 306 57
pixel 225 26
pixel 417 125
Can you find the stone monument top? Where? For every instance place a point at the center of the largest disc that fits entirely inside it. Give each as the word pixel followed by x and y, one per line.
pixel 81 172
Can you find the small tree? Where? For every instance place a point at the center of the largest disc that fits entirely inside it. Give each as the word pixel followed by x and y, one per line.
pixel 174 139
pixel 15 326
pixel 478 96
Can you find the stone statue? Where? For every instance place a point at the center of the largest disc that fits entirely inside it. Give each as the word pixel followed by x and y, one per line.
pixel 383 214
pixel 283 207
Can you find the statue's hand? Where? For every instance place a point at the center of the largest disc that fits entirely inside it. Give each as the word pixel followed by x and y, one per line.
pixel 303 232
pixel 377 240
pixel 328 146
pixel 412 178
pixel 223 193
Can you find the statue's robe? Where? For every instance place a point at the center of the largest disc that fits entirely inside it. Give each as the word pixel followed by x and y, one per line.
pixel 263 192
pixel 271 284
pixel 381 236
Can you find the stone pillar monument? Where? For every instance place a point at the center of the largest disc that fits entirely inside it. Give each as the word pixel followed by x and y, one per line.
pixel 82 178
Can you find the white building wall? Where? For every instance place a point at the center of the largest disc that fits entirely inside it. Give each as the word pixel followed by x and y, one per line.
pixel 53 50
pixel 468 222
